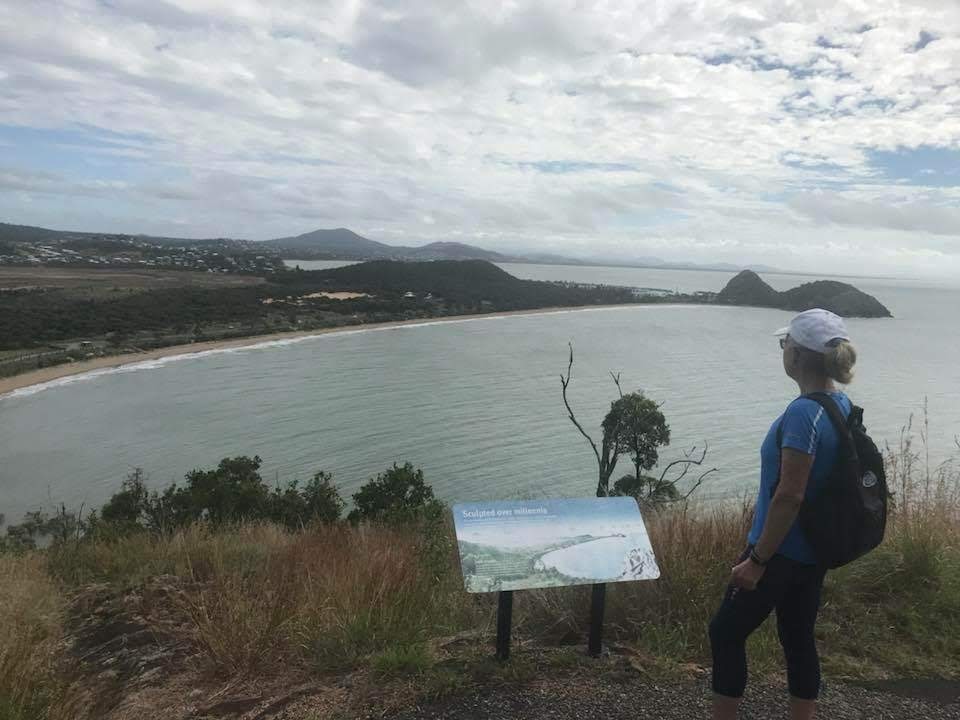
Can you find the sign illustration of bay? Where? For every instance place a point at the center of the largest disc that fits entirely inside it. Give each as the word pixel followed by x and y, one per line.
pixel 522 545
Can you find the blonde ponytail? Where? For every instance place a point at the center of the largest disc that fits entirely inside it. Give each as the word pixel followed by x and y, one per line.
pixel 838 361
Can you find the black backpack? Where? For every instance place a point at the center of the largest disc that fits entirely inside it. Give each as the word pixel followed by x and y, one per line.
pixel 848 516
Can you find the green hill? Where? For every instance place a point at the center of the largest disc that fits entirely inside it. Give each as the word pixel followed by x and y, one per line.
pixel 470 283
pixel 335 242
pixel 746 288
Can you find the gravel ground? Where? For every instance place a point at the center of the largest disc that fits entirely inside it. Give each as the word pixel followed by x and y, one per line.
pixel 637 700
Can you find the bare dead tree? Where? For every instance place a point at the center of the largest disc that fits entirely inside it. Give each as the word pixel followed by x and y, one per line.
pixel 616 381
pixel 608 452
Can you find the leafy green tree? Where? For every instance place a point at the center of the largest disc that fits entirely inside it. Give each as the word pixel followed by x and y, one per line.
pixel 39 527
pixel 233 491
pixel 322 498
pixel 639 429
pixel 399 492
pixel 317 501
pixel 646 490
pixel 126 511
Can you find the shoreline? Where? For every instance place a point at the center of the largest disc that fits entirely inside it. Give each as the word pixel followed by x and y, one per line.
pixel 108 362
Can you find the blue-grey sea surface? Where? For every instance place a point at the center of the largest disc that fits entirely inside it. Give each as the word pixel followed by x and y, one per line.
pixel 475 403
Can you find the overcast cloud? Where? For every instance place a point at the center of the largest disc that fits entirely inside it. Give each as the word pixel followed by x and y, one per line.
pixel 821 135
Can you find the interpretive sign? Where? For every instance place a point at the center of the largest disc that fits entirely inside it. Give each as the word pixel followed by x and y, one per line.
pixel 521 545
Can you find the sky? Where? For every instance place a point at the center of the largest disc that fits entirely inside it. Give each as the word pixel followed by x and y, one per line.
pixel 811 135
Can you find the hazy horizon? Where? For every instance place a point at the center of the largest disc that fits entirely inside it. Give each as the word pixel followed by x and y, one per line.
pixel 704 264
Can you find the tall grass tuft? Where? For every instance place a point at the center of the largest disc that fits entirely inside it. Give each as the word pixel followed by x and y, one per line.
pixel 257 596
pixel 30 629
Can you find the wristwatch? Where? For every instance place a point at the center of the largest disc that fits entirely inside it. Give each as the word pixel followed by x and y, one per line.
pixel 754 558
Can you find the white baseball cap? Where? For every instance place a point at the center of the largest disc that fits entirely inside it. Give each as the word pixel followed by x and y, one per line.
pixel 816 330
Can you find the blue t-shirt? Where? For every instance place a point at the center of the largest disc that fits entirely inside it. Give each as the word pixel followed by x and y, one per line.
pixel 807 428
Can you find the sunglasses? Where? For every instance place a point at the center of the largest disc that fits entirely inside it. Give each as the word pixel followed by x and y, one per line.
pixel 783 342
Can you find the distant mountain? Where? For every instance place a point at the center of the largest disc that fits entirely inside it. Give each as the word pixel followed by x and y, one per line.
pixel 339 241
pixel 551 259
pixel 454 251
pixel 343 244
pixel 746 288
pixel 661 264
pixel 26 233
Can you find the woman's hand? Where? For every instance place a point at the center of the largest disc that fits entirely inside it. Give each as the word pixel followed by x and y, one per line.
pixel 746 575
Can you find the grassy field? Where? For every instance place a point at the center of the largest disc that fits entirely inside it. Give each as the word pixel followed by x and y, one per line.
pixel 387 602
pixel 89 279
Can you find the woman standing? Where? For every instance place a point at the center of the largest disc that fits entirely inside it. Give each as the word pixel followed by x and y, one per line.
pixel 778 571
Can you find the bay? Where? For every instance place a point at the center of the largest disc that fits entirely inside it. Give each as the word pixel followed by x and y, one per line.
pixel 475 403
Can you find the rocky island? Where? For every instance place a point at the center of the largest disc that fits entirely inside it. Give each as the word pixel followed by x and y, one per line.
pixel 746 288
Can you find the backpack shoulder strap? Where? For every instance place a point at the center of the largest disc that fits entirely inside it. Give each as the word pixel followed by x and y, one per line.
pixel 837 418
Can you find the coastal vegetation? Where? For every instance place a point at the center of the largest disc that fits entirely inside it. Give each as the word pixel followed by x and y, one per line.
pixel 51 316
pixel 52 321
pixel 247 580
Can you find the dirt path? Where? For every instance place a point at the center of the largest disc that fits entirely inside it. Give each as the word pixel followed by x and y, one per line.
pixel 638 700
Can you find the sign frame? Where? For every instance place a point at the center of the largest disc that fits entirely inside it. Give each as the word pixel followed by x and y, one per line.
pixel 518 545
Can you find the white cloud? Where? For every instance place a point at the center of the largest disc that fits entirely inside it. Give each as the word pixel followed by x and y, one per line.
pixel 894 213
pixel 687 129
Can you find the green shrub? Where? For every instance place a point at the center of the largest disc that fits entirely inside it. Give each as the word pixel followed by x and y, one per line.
pixel 233 492
pixel 396 495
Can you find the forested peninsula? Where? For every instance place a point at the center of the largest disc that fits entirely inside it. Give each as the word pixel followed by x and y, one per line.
pixel 54 316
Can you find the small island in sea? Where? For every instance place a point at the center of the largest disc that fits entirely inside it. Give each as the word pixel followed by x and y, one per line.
pixel 746 288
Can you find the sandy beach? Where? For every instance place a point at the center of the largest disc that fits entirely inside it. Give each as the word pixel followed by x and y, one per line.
pixel 43 375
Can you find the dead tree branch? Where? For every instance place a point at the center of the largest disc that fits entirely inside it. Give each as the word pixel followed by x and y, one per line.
pixel 606 455
pixel 687 462
pixel 565 382
pixel 616 381
pixel 698 483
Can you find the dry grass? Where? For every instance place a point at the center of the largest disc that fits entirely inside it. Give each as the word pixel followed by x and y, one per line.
pixel 894 611
pixel 259 599
pixel 107 278
pixel 258 596
pixel 30 631
pixel 329 596
pixel 342 596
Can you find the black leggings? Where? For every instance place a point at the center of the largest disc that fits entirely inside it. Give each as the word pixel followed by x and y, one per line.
pixel 793 589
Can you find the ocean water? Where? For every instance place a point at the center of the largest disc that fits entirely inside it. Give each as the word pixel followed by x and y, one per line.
pixel 475 403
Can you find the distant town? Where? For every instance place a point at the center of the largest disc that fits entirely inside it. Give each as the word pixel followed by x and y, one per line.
pixel 120 251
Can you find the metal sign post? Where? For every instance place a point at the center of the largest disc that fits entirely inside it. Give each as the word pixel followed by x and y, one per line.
pixel 598 598
pixel 504 620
